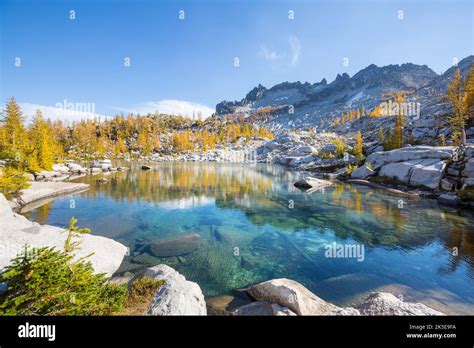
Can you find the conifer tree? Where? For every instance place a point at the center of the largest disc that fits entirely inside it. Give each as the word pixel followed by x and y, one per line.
pixel 359 147
pixel 14 137
pixel 456 96
pixel 42 141
pixel 469 90
pixel 398 132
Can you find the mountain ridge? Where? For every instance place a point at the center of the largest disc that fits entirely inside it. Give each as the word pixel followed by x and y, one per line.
pixel 313 102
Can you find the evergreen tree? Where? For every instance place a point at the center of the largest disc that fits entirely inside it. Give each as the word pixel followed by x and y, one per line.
pixel 14 137
pixel 359 147
pixel 456 96
pixel 398 132
pixel 469 90
pixel 42 154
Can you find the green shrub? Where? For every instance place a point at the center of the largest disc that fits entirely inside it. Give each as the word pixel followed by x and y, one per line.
pixel 140 294
pixel 48 281
pixel 350 168
pixel 11 182
pixel 340 147
pixel 328 155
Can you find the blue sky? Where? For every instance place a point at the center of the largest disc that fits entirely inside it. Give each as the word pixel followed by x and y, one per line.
pixel 192 60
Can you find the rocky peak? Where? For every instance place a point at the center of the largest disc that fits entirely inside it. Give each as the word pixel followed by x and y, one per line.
pixel 256 93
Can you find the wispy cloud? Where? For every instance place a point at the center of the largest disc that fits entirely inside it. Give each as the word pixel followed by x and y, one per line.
pixel 295 47
pixel 170 107
pixel 269 55
pixel 286 57
pixel 64 111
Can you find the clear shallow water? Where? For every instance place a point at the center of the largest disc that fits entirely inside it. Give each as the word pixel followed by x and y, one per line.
pixel 249 233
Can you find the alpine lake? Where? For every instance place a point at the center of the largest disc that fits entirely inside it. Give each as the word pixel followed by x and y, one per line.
pixel 226 226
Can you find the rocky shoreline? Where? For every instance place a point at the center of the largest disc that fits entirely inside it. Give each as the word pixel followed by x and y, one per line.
pixel 16 231
pixel 276 297
pixel 38 193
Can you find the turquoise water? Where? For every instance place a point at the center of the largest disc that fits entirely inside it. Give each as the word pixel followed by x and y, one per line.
pixel 253 225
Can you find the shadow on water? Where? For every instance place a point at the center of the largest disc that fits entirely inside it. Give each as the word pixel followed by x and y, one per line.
pixel 253 225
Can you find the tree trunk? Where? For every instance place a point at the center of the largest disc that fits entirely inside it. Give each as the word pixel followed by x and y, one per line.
pixel 463 136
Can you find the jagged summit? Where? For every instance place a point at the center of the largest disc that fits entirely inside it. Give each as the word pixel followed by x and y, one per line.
pixel 322 100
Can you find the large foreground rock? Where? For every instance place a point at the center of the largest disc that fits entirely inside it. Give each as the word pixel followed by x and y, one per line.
pixel 383 303
pixel 422 172
pixel 379 159
pixel 16 231
pixel 291 294
pixel 284 297
pixel 428 173
pixel 177 296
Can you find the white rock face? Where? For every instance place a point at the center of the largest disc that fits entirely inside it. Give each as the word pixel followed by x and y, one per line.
pixel 382 303
pixel 310 182
pixel 291 294
pixel 428 173
pixel 413 166
pixel 400 171
pixel 302 150
pixel 362 172
pixel 177 296
pixel 16 231
pixel 378 159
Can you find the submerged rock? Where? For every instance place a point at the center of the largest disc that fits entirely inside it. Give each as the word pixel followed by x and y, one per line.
pixel 175 246
pixel 177 296
pixel 383 303
pixel 310 182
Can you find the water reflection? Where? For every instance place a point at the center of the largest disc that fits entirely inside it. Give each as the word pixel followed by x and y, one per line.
pixel 254 225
